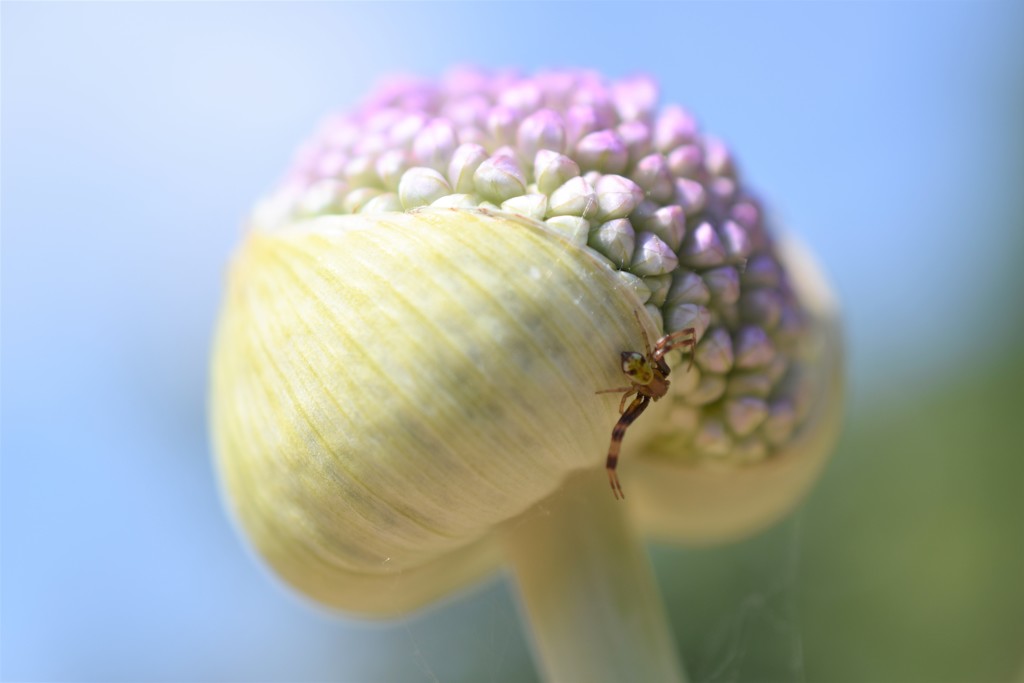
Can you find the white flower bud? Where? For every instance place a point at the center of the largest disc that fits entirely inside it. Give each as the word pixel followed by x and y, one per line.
pixel 325 196
pixel 575 198
pixel 616 197
pixel 499 178
pixel 659 286
pixel 603 151
pixel 615 239
pixel 574 228
pixel 687 288
pixel 356 199
pixel 390 167
pixel 636 285
pixel 420 186
pixel 465 160
pixel 675 126
pixel 434 145
pixel 724 285
pixel 653 176
pixel 533 206
pixel 457 201
pixel 387 201
pixel 652 256
pixel 702 248
pixel 541 130
pixel 714 353
pixel 552 170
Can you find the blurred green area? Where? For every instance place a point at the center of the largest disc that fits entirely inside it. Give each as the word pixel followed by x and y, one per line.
pixel 905 564
pixel 919 531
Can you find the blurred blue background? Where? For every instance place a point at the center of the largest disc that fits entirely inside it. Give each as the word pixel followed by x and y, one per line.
pixel 136 137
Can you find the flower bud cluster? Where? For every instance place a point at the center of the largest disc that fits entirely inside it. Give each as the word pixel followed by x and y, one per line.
pixel 603 165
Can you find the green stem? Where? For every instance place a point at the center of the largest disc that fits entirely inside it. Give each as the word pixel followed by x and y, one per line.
pixel 587 589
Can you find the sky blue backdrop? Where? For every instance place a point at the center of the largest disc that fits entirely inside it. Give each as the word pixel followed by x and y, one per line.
pixel 135 137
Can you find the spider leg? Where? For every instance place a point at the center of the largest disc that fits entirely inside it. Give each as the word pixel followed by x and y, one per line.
pixel 638 406
pixel 626 393
pixel 622 403
pixel 619 390
pixel 669 343
pixel 643 332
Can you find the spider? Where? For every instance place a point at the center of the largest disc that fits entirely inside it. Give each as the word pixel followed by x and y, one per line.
pixel 648 376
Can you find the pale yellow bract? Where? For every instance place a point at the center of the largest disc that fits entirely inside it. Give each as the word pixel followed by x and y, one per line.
pixel 389 388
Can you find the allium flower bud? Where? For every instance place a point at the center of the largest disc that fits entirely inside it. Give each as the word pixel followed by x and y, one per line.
pixel 637 138
pixel 421 186
pixel 617 197
pixel 652 256
pixel 423 324
pixel 390 167
pixel 635 98
pixel 502 125
pixel 714 353
pixel 322 197
pixel 703 248
pixel 691 196
pixel 581 120
pixel 499 178
pixel 603 151
pixel 541 130
pixel 532 205
pixel 552 170
pixel 674 127
pixel 434 144
pixel 574 198
pixel 652 174
pixel 462 168
pixel 615 240
pixel 685 161
pixel 574 228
